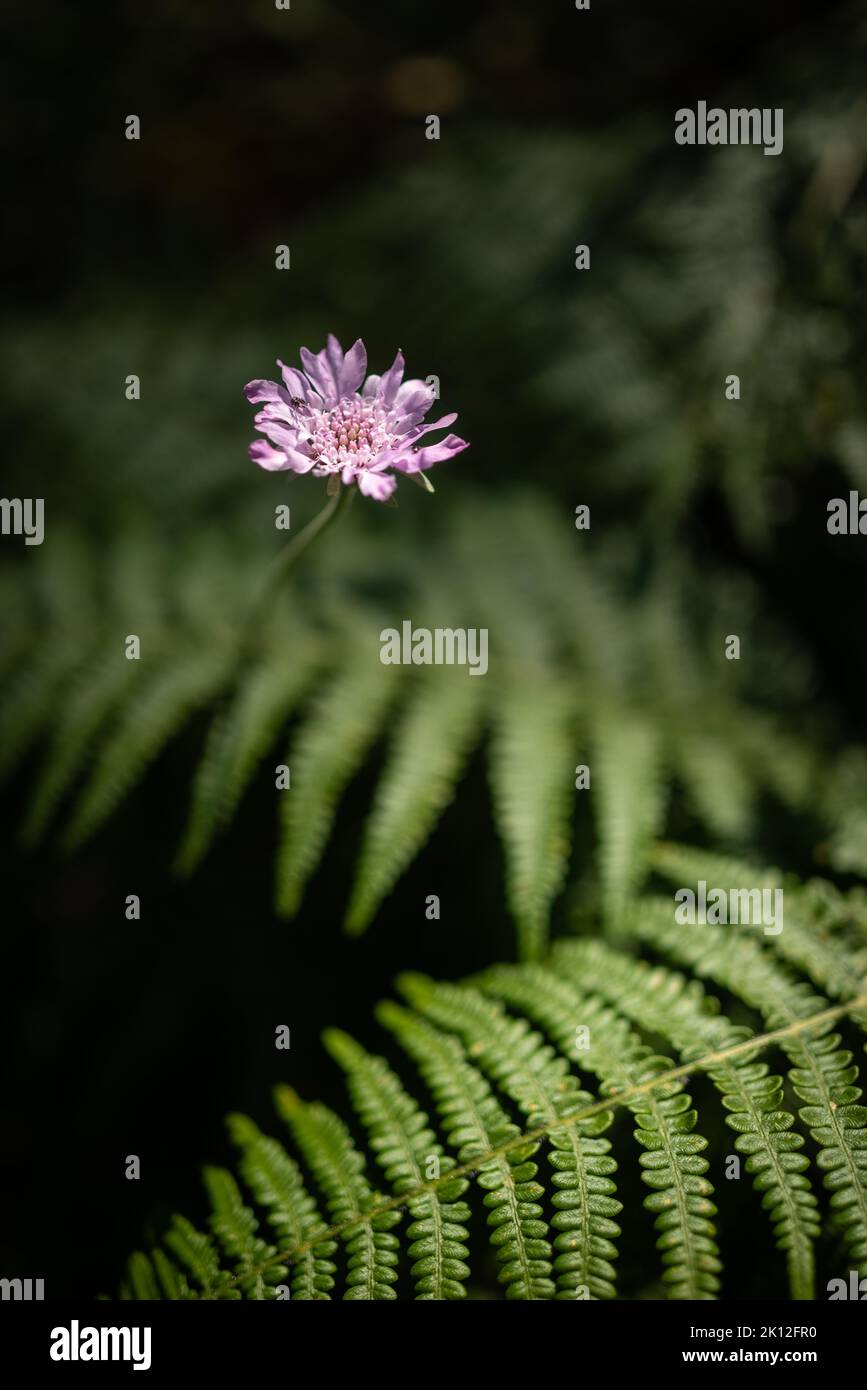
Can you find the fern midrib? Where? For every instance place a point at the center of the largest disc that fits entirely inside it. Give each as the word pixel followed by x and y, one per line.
pixel 754 1044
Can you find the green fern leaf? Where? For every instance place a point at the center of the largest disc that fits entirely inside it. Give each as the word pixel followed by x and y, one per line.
pixel 166 701
pixel 438 726
pixel 235 1227
pixel 665 1003
pixel 197 1254
pixel 531 762
pixel 328 750
pixel 339 1169
pixel 628 803
pixel 406 1150
pixel 276 1182
pixel 823 1075
pixel 95 697
pixel 239 738
pixel 538 1081
pixel 672 1165
pixel 475 1125
pixel 718 784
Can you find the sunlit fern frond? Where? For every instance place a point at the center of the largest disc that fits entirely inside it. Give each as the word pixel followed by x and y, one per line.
pixel 483 1153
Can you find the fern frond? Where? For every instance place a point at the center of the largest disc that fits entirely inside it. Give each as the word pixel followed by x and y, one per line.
pixel 32 696
pixel 339 1169
pixel 683 864
pixel 539 1082
pixel 276 1183
pixel 406 1150
pixel 628 802
pixel 672 1164
pixel 822 1075
pixel 806 940
pixel 239 737
pixel 477 1060
pixel 438 726
pixel 235 1227
pixel 95 696
pixel 717 783
pixel 143 1286
pixel 574 655
pixel 532 779
pixel 149 720
pixel 172 1283
pixel 197 1255
pixel 475 1124
pixel 678 1009
pixel 328 750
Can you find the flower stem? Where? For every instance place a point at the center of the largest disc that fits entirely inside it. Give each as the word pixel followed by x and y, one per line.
pixel 286 559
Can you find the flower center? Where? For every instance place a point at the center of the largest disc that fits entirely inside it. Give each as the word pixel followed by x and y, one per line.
pixel 351 432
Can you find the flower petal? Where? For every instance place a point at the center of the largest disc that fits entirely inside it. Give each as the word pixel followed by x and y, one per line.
pixel 296 384
pixel 260 452
pixel 261 390
pixel 379 486
pixel 416 461
pixel 414 395
pixel 353 368
pixel 411 425
pixel 389 384
pixel 320 372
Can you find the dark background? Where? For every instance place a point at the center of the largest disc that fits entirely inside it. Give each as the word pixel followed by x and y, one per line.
pixel 260 127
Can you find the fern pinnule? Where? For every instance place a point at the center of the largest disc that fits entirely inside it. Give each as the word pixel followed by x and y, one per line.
pixel 407 1151
pixel 531 775
pixel 628 802
pixel 438 726
pixel 822 1074
pixel 276 1182
pixel 239 738
pixel 476 1125
pixel 96 693
pixel 167 698
pixel 672 1164
pixel 197 1255
pixel 339 1169
pixel 717 783
pixel 807 941
pixel 678 1009
pixel 326 751
pixel 538 1080
pixel 235 1225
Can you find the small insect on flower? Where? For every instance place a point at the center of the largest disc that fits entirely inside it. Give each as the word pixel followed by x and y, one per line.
pixel 332 420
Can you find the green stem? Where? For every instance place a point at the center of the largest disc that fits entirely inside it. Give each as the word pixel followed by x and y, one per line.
pixel 286 559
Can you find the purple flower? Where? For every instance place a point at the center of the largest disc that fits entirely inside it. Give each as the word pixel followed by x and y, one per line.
pixel 325 422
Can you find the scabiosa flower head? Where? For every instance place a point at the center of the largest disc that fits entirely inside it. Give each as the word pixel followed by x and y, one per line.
pixel 324 421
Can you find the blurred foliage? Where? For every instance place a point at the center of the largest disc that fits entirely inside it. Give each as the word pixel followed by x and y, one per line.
pixel 583 669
